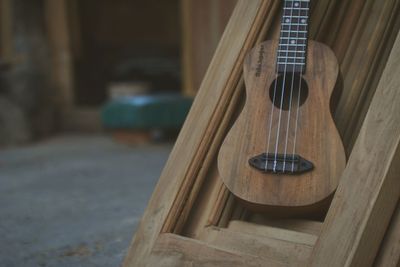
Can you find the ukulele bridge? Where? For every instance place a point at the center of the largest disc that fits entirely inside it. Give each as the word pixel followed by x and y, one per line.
pixel 281 164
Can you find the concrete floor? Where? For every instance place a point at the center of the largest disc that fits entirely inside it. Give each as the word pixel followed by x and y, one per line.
pixel 74 200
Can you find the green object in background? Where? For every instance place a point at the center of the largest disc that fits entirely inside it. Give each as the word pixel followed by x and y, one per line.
pixel 146 112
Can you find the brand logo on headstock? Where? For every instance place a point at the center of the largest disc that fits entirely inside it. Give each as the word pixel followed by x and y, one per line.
pixel 261 54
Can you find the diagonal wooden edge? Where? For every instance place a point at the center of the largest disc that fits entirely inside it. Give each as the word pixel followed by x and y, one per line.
pixel 370 185
pixel 239 36
pixel 389 252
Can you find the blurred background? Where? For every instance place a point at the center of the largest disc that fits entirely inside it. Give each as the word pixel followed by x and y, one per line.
pixel 92 96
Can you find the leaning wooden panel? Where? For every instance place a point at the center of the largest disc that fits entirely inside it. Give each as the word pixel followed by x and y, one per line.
pixel 389 253
pixel 370 186
pixel 186 159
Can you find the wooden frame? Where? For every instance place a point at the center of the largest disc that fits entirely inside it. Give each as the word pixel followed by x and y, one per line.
pixel 192 220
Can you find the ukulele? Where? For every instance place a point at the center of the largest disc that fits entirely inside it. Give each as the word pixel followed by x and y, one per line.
pixel 284 150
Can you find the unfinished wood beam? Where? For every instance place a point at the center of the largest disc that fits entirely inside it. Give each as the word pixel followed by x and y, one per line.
pixel 273 244
pixel 173 250
pixel 370 186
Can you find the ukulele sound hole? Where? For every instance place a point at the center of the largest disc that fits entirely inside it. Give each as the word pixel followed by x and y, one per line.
pixel 289 85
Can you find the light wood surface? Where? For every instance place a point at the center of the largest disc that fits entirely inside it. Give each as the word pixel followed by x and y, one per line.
pixel 273 232
pixel 174 250
pixel 370 186
pixel 298 225
pixel 287 247
pixel 317 138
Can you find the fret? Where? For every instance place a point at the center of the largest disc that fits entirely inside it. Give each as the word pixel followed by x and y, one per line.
pixel 290 58
pixel 292 63
pixel 289 46
pixel 290 20
pixel 295 24
pixel 296 43
pixel 294 34
pixel 294 31
pixel 296 8
pixel 295 28
pixel 290 68
pixel 295 13
pixel 291 16
pixel 289 53
pixel 293 38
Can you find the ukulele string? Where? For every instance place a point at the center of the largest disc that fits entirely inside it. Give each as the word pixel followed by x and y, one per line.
pixel 297 117
pixel 283 93
pixel 272 111
pixel 291 95
pixel 298 100
pixel 270 122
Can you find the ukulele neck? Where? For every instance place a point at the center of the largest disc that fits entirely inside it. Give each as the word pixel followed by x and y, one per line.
pixel 292 50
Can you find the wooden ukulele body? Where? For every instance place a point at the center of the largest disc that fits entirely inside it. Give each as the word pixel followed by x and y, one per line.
pixel 317 139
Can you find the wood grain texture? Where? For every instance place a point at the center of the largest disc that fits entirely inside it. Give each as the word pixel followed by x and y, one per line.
pixel 264 231
pixel 370 186
pixel 189 186
pixel 298 225
pixel 177 251
pixel 286 247
pixel 180 173
pixel 317 138
pixel 389 253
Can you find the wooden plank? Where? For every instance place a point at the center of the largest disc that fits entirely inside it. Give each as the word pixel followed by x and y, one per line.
pixel 389 254
pixel 370 188
pixel 298 225
pixel 193 142
pixel 173 250
pixel 387 38
pixel 360 63
pixel 286 247
pixel 273 232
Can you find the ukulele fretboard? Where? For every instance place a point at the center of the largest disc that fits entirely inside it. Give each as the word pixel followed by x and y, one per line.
pixel 292 48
